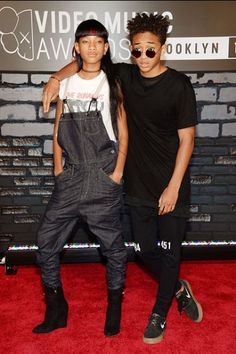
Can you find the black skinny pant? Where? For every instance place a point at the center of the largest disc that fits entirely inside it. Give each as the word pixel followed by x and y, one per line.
pixel 164 260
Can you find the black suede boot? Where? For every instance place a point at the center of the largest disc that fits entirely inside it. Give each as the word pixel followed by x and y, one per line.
pixel 56 311
pixel 113 314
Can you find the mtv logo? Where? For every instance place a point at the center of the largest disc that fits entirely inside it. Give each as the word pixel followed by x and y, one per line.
pixel 16 32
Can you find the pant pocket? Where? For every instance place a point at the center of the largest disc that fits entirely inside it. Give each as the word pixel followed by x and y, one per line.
pixel 109 180
pixel 67 173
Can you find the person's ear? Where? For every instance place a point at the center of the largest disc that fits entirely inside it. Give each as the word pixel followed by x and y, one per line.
pixel 106 48
pixel 163 49
pixel 76 47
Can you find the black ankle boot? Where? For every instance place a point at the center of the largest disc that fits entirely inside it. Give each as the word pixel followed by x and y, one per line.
pixel 113 314
pixel 56 311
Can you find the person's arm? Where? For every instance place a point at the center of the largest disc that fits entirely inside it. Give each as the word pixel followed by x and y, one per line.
pixel 168 198
pixel 122 143
pixel 51 89
pixel 57 150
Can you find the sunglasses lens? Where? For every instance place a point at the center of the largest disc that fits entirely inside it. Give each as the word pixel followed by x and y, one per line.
pixel 136 53
pixel 150 53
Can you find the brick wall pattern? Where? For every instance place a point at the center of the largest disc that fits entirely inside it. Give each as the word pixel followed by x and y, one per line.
pixel 26 164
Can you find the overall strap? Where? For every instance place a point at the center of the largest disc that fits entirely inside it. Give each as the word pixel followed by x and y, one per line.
pixel 96 93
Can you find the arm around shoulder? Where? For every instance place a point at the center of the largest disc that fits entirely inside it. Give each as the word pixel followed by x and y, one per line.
pixel 51 89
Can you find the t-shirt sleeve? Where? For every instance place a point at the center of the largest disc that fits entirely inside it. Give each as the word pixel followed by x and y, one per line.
pixel 186 105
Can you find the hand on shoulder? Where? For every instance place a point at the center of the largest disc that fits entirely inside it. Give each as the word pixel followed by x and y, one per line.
pixel 50 92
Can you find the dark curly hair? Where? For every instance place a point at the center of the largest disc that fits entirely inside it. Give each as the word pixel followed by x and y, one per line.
pixel 156 24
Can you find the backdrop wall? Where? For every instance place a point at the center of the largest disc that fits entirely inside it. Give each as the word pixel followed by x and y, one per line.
pixel 26 165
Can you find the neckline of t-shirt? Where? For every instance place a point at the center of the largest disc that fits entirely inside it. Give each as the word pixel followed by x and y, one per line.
pixel 155 77
pixel 100 75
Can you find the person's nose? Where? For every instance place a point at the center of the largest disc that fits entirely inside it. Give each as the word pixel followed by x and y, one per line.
pixel 92 45
pixel 143 54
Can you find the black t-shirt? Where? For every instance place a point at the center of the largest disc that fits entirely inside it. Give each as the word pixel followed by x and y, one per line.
pixel 156 108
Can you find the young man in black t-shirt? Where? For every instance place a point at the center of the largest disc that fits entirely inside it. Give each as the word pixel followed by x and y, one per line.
pixel 161 112
pixel 161 109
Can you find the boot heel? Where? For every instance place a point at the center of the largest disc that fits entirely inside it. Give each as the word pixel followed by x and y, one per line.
pixel 56 311
pixel 62 320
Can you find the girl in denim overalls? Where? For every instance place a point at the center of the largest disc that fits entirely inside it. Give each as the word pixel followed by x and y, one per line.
pixel 89 185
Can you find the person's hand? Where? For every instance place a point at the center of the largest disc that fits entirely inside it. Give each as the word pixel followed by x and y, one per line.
pixel 57 172
pixel 167 201
pixel 50 93
pixel 116 177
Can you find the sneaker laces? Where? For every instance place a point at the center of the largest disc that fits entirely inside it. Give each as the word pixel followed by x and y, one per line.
pixel 156 319
pixel 183 299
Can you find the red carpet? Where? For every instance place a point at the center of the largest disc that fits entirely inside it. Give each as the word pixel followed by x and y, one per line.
pixel 21 308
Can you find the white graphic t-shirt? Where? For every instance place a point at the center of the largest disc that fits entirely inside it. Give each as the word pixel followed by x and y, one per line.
pixel 80 92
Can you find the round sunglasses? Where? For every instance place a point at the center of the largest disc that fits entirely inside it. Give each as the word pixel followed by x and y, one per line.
pixel 150 52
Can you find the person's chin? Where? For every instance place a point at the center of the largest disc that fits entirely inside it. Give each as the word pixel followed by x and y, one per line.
pixel 144 67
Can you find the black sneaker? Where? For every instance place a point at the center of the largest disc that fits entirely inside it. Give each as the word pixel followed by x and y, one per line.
pixel 154 331
pixel 188 303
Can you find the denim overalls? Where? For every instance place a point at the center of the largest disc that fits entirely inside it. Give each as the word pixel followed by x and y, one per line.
pixel 84 191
